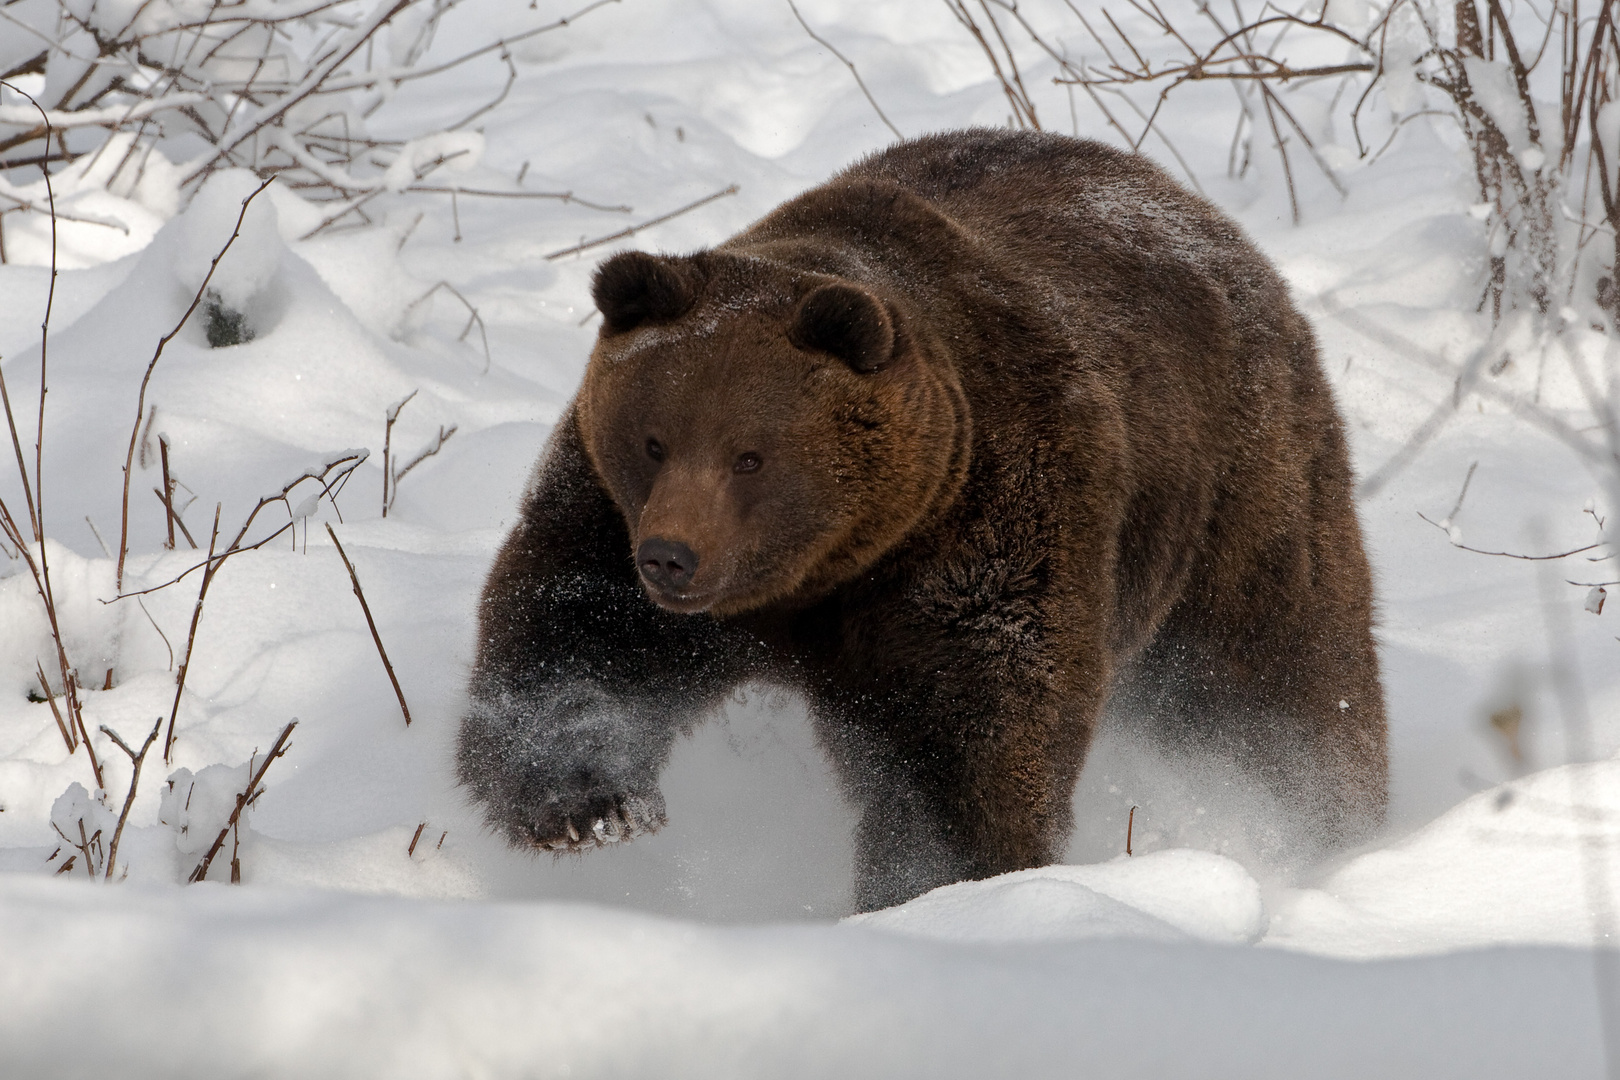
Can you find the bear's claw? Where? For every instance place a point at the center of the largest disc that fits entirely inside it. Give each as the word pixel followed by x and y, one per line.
pixel 631 816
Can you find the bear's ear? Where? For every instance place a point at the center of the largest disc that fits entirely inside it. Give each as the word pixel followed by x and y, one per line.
pixel 633 288
pixel 848 322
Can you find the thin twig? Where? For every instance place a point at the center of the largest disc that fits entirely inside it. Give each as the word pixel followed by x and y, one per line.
pixel 330 475
pixel 406 235
pixel 622 233
pixel 105 550
pixel 140 400
pixel 311 82
pixel 1463 494
pixel 168 491
pixel 85 845
pixel 176 519
pixel 191 639
pixel 44 384
pixel 332 480
pixel 242 800
pixel 142 605
pixel 134 781
pixel 561 196
pixel 473 318
pixel 847 62
pixel 41 569
pixel 1513 554
pixel 389 419
pixel 370 190
pixel 1023 109
pixel 430 450
pixel 75 722
pixel 372 623
pixel 67 734
pixel 5 396
pixel 502 44
pixel 76 712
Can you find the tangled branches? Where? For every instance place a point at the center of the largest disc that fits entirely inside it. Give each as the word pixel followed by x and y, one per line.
pixel 1493 72
pixel 286 88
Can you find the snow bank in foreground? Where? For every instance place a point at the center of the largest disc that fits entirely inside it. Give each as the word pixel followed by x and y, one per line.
pixel 219 982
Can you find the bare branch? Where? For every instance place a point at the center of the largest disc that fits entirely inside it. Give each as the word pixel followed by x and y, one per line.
pixel 847 62
pixel 5 395
pixel 473 319
pixel 68 736
pixel 389 419
pixel 249 795
pixel 137 759
pixel 329 476
pixel 168 505
pixel 372 623
pixel 331 479
pixel 622 233
pixel 140 400
pixel 430 450
pixel 167 494
pixel 1511 554
pixel 311 82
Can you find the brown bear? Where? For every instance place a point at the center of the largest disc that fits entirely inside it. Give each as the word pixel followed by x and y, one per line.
pixel 986 428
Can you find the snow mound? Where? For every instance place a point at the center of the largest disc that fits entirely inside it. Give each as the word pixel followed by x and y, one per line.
pixel 90 628
pixel 109 204
pixel 1166 896
pixel 1531 861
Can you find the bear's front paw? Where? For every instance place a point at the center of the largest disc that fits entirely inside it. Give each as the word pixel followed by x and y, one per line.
pixel 564 766
pixel 597 821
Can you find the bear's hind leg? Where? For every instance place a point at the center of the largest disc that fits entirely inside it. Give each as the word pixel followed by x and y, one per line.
pixel 1285 681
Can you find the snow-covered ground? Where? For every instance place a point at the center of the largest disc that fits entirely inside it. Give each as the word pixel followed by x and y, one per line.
pixel 1459 943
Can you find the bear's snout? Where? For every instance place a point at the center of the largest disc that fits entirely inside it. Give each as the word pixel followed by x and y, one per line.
pixel 666 564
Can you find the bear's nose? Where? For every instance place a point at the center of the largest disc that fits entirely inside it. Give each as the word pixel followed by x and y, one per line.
pixel 668 564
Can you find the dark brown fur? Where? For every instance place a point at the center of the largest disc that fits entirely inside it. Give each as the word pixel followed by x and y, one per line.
pixel 1036 426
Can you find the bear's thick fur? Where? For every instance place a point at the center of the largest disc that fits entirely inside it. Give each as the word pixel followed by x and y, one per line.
pixel 984 429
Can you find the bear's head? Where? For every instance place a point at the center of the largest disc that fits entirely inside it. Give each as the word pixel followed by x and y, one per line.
pixel 768 433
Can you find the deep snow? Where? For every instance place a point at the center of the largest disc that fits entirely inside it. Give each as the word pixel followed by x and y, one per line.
pixel 1457 944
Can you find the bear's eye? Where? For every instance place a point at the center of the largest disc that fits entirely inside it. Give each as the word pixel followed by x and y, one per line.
pixel 655 449
pixel 747 463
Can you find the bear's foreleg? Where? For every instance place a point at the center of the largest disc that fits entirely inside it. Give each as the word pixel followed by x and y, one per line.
pixel 581 684
pixel 963 774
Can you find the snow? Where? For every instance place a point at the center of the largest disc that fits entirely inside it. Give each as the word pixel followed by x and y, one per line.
pixel 1526 861
pixel 246 269
pixel 380 930
pixel 457 151
pixel 108 205
pixel 244 982
pixel 1165 895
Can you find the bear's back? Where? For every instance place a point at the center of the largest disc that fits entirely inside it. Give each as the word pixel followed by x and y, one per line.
pixel 1056 188
pixel 1062 203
